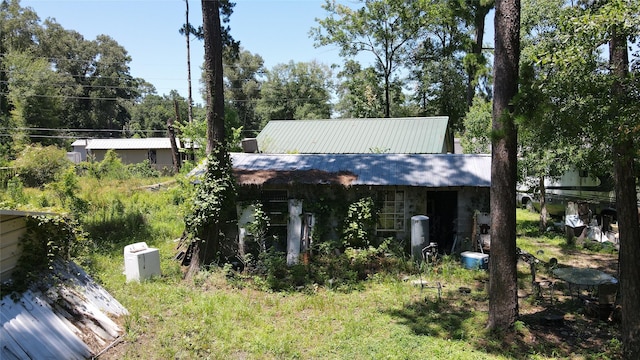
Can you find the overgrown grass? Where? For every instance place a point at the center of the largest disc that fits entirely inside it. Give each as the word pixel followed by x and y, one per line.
pixel 390 315
pixel 401 311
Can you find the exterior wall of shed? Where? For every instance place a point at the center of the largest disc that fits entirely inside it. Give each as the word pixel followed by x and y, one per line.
pixel 135 156
pixel 12 227
pixel 470 200
pixel 314 197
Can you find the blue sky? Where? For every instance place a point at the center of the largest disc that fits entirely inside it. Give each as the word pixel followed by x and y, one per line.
pixel 148 29
pixel 277 30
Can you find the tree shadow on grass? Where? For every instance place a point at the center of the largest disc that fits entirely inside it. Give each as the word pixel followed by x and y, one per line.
pixel 112 233
pixel 562 331
pixel 439 318
pixel 558 331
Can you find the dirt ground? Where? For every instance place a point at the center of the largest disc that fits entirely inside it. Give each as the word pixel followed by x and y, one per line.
pixel 566 321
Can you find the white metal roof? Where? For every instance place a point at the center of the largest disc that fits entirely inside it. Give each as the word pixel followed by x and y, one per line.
pixel 426 170
pixel 80 142
pixel 129 144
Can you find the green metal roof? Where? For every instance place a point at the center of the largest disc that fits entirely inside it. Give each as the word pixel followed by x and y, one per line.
pixel 415 135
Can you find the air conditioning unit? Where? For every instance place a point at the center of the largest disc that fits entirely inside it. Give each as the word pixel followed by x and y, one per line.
pixel 141 262
pixel 250 145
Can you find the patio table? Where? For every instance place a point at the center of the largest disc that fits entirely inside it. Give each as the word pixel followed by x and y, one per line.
pixel 583 278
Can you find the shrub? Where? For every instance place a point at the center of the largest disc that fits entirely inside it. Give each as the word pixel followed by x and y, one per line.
pixel 66 188
pixel 39 165
pixel 15 190
pixel 360 224
pixel 111 167
pixel 143 170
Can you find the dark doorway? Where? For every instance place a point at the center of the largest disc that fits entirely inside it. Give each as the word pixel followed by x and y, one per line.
pixel 442 210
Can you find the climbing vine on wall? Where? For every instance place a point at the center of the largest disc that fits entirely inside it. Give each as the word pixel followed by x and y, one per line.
pixel 47 239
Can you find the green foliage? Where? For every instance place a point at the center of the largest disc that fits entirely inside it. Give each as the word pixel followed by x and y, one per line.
pixel 47 239
pixel 359 225
pixel 67 188
pixel 154 112
pixel 279 276
pixel 476 138
pixel 65 72
pixel 196 131
pixel 296 91
pixel 37 165
pixel 111 167
pixel 143 170
pixel 361 94
pixel 115 217
pixel 30 75
pixel 566 80
pixel 259 226
pixel 243 91
pixel 212 205
pixel 15 191
pixel 389 30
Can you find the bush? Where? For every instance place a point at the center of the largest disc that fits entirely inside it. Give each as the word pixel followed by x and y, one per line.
pixel 39 165
pixel 66 189
pixel 111 167
pixel 143 170
pixel 360 224
pixel 15 191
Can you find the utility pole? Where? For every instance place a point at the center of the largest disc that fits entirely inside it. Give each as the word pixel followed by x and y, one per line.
pixel 188 34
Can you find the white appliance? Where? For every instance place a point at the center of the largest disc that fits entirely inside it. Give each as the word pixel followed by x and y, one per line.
pixel 141 262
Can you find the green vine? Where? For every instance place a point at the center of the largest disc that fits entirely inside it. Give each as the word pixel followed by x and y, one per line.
pixel 213 206
pixel 360 223
pixel 47 238
pixel 259 226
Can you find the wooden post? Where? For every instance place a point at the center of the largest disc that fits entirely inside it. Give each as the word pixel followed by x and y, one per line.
pixel 172 137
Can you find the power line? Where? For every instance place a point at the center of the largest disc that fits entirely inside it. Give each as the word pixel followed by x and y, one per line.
pixel 134 99
pixel 74 130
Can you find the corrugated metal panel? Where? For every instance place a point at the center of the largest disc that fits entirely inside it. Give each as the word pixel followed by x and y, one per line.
pixel 144 143
pixel 427 170
pixel 69 321
pixel 423 135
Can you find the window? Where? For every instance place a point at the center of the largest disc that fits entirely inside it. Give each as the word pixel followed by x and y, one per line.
pixel 276 205
pixel 392 213
pixel 151 155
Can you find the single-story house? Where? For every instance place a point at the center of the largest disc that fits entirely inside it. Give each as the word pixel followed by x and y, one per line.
pixel 131 151
pixel 411 135
pixel 306 173
pixel 303 191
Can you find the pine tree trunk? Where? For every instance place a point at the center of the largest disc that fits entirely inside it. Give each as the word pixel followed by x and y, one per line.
pixel 626 205
pixel 213 75
pixel 503 289
pixel 210 249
